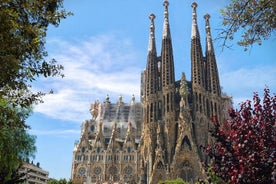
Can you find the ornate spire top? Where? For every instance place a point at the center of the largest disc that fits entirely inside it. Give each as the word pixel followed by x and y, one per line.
pixel 207 17
pixel 151 46
pixel 207 24
pixel 152 17
pixel 166 4
pixel 194 18
pixel 194 5
pixel 208 33
pixel 166 29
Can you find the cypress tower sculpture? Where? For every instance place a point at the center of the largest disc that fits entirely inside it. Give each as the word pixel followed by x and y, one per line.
pixel 160 137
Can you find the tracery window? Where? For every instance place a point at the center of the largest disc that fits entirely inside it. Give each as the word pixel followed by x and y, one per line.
pixel 128 170
pixel 97 170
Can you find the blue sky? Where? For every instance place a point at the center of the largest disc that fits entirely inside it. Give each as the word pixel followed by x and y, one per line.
pixel 103 48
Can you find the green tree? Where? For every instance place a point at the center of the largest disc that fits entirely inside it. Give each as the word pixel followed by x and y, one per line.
pixel 255 19
pixel 53 181
pixel 177 181
pixel 16 144
pixel 61 181
pixel 23 59
pixel 22 53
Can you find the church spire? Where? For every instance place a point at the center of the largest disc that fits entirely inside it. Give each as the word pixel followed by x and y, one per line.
pixel 195 32
pixel 152 46
pixel 198 72
pixel 168 85
pixel 151 78
pixel 209 46
pixel 196 53
pixel 167 52
pixel 166 27
pixel 213 84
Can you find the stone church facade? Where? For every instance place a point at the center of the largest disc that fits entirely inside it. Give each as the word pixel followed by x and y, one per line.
pixel 162 136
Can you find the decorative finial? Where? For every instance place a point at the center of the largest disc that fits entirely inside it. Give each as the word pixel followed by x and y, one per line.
pixel 151 16
pixel 207 16
pixel 208 32
pixel 151 46
pixel 166 4
pixel 194 20
pixel 194 5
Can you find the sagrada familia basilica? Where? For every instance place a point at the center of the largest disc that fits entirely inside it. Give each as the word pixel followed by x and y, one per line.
pixel 162 136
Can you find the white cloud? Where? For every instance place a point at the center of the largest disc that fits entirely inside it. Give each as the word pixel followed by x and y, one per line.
pixel 108 64
pixel 242 83
pixel 93 68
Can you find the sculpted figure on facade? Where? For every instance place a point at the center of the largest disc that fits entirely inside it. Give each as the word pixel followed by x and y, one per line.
pixel 94 110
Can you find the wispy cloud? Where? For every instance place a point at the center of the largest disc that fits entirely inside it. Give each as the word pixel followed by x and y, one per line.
pixel 242 83
pixel 107 64
pixel 95 67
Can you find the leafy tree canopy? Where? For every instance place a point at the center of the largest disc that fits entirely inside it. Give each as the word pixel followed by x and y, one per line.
pixel 23 59
pixel 16 144
pixel 254 18
pixel 177 181
pixel 61 181
pixel 22 53
pixel 244 148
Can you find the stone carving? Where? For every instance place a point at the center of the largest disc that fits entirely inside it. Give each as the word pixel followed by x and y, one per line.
pixel 95 109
